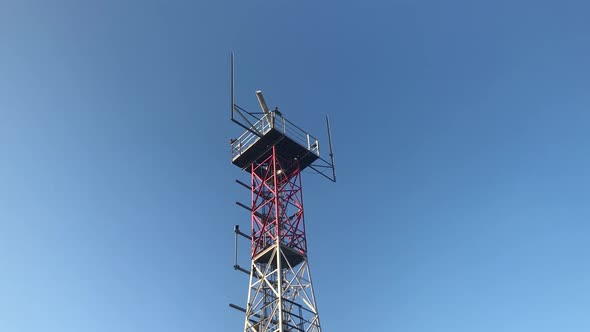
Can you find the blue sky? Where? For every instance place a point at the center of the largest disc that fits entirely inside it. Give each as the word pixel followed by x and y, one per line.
pixel 461 134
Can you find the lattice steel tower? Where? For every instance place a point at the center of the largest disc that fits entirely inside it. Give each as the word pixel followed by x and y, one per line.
pixel 274 151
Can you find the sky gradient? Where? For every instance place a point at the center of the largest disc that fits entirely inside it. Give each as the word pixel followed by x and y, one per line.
pixel 461 134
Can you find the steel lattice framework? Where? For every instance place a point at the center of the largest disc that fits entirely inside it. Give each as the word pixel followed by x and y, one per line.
pixel 281 296
pixel 275 151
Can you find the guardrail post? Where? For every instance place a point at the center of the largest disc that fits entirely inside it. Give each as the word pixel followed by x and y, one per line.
pixel 284 126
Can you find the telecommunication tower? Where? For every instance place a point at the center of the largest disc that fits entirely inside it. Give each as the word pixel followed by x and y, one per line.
pixel 274 151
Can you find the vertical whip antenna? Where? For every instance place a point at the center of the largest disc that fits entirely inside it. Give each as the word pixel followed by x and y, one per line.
pixel 331 149
pixel 233 100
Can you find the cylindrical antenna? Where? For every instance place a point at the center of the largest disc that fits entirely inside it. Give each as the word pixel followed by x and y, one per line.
pixel 262 102
pixel 233 102
pixel 236 230
pixel 331 150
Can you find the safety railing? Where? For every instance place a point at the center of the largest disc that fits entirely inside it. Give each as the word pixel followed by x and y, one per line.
pixel 279 123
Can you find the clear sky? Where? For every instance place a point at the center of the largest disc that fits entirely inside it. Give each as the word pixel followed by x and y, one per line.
pixel 461 130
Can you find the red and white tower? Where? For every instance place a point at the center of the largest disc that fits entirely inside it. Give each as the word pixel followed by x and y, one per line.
pixel 274 151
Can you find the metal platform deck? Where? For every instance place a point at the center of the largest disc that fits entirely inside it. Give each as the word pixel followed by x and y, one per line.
pixel 291 142
pixel 290 256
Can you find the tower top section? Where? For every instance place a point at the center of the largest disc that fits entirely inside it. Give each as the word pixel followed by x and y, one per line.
pixel 273 129
pixel 269 128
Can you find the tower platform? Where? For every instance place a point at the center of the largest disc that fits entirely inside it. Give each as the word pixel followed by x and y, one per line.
pixel 290 255
pixel 292 143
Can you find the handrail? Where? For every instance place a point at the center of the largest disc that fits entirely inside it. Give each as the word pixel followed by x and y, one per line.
pixel 279 123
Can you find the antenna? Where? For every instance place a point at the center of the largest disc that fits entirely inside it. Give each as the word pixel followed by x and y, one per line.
pixel 262 102
pixel 331 150
pixel 233 99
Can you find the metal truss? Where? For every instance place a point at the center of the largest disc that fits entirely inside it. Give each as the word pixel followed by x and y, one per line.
pixel 280 296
